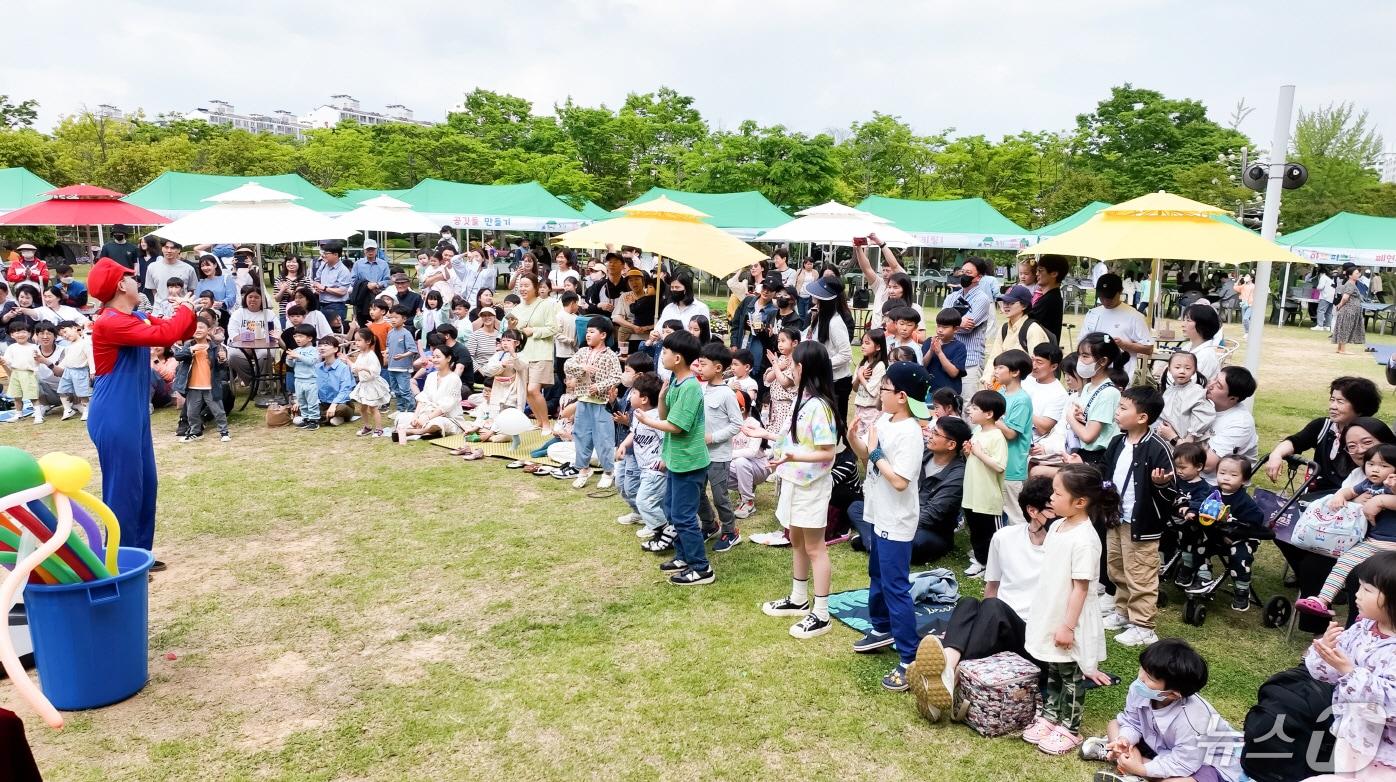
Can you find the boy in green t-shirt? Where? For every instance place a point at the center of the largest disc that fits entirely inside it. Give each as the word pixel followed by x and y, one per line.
pixel 685 456
pixel 1010 367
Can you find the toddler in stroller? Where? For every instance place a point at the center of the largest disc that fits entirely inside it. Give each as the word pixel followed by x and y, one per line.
pixel 1228 524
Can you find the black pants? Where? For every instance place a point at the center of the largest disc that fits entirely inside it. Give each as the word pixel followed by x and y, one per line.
pixel 842 390
pixel 983 628
pixel 1310 569
pixel 982 527
pixel 926 547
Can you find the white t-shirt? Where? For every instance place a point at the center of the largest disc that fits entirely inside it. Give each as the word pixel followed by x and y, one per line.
pixel 647 443
pixel 1098 271
pixel 1049 401
pixel 1208 364
pixel 1122 321
pixel 22 357
pixel 893 513
pixel 1015 563
pixel 1233 431
pixel 1123 484
pixel 1067 555
pixel 683 314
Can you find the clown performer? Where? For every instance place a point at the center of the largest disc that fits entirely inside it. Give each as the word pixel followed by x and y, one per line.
pixel 119 415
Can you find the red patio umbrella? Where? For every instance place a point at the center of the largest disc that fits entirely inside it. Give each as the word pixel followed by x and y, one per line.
pixel 82 205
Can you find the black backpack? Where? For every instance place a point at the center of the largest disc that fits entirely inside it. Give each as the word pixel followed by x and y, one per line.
pixel 1287 729
pixel 1023 334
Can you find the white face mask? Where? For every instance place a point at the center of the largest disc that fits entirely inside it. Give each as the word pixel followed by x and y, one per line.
pixel 1085 369
pixel 27 255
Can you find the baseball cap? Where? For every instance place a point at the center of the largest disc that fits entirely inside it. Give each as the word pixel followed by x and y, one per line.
pixel 1109 285
pixel 912 379
pixel 27 246
pixel 488 311
pixel 1019 293
pixel 370 243
pixel 400 277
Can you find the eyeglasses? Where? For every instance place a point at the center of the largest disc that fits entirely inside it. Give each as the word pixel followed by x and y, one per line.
pixel 887 389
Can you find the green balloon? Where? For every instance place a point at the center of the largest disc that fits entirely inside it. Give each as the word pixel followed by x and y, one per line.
pixel 18 471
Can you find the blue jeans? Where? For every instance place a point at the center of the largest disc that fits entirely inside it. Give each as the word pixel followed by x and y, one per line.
pixel 650 497
pixel 400 383
pixel 307 398
pixel 889 593
pixel 681 506
pixel 628 479
pixel 593 429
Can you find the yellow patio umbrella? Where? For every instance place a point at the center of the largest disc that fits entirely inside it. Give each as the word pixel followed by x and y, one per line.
pixel 1163 225
pixel 668 228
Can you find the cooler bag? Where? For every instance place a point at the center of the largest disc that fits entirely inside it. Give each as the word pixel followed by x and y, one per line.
pixel 1001 693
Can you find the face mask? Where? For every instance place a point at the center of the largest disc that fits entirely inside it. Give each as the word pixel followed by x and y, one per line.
pixel 27 255
pixel 783 303
pixel 1085 369
pixel 1141 690
pixel 67 280
pixel 966 280
pixel 677 296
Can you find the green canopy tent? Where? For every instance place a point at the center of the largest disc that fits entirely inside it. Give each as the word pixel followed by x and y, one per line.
pixel 522 207
pixel 965 223
pixel 1346 238
pixel 594 212
pixel 1071 221
pixel 356 197
pixel 743 215
pixel 175 194
pixel 19 187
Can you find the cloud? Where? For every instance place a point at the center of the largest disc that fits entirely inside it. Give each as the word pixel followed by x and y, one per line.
pixel 994 67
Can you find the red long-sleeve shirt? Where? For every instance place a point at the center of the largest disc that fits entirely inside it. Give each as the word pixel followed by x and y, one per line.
pixel 113 330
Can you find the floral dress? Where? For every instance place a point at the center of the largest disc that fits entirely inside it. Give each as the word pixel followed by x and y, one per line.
pixel 1364 701
pixel 782 400
pixel 1348 328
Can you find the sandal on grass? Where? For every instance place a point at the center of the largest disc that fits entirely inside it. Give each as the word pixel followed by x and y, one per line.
pixel 1059 742
pixel 514 465
pixel 475 454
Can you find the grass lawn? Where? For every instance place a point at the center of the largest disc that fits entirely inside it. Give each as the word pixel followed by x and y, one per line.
pixel 339 608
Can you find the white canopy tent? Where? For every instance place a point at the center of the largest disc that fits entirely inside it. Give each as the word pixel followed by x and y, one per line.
pixel 253 214
pixel 835 224
pixel 387 214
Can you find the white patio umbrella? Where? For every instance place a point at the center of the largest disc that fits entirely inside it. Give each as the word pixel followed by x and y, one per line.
pixel 253 214
pixel 388 214
pixel 834 223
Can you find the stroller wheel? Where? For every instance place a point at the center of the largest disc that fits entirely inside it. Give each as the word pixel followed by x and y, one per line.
pixel 1194 612
pixel 1277 612
pixel 1200 615
pixel 1163 598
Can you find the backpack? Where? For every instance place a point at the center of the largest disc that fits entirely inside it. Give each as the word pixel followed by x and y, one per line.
pixel 1286 731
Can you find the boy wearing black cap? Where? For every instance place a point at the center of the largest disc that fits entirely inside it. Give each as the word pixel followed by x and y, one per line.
pixel 118 249
pixel 596 369
pixel 1124 324
pixel 893 447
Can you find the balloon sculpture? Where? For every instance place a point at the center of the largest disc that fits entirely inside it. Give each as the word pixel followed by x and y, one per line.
pixel 41 546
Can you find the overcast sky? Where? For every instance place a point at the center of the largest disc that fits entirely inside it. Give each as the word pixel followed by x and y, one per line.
pixel 989 66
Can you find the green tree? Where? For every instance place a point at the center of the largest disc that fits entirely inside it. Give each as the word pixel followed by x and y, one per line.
pixel 603 153
pixel 791 169
pixel 27 148
pixel 883 156
pixel 340 158
pixel 18 115
pixel 1339 147
pixel 1139 140
pixel 656 130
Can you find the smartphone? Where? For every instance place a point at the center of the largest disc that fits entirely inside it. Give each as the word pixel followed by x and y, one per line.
pixel 860 241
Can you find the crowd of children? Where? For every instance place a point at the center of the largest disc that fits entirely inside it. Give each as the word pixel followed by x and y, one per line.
pixel 679 422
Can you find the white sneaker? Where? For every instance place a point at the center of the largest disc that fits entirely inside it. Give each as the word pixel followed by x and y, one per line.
pixel 974 569
pixel 1317 328
pixel 645 533
pixel 1106 604
pixel 1116 621
pixel 68 412
pixel 777 539
pixel 627 518
pixel 1136 636
pixel 582 478
pixel 84 413
pixel 744 510
pixel 607 480
pixel 225 438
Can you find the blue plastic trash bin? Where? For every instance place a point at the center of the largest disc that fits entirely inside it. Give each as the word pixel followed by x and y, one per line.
pixel 92 640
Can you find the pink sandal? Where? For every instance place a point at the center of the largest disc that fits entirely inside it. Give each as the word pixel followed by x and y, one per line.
pixel 1059 742
pixel 1038 730
pixel 1312 605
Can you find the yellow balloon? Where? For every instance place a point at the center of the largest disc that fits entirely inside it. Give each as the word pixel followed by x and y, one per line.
pixel 65 472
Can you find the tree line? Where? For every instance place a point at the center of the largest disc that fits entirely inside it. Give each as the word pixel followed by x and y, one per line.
pixel 1132 142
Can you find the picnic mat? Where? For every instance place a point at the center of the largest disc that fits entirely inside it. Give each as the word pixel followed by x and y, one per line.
pixel 528 441
pixel 851 608
pixel 1382 353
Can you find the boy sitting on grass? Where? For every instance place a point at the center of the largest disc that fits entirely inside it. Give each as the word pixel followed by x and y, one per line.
pixel 1167 730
